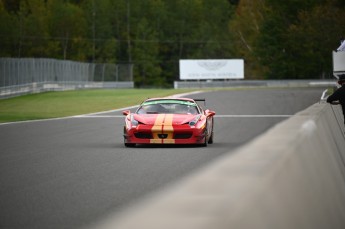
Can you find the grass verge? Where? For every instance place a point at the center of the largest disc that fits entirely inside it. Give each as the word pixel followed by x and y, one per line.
pixel 68 103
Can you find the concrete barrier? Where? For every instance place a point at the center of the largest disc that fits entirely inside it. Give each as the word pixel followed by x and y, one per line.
pixel 292 176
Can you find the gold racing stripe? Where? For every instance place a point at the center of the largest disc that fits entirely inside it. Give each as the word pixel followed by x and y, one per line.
pixel 157 126
pixel 163 124
pixel 168 129
pixel 157 129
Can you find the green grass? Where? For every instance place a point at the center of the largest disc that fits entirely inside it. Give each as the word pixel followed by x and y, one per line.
pixel 68 103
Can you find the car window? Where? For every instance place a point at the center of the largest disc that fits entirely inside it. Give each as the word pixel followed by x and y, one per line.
pixel 168 108
pixel 184 109
pixel 151 109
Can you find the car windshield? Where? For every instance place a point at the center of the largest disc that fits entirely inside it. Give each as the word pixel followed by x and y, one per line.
pixel 168 107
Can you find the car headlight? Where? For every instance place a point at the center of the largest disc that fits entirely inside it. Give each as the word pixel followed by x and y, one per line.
pixel 134 122
pixel 195 120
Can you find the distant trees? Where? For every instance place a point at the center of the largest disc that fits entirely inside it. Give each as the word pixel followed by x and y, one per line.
pixel 246 29
pixel 297 37
pixel 162 32
pixel 278 39
pixel 153 35
pixel 288 39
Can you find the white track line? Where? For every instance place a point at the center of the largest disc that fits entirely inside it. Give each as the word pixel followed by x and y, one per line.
pixel 253 116
pixel 98 114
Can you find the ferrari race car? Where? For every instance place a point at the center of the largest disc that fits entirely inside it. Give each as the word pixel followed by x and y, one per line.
pixel 169 121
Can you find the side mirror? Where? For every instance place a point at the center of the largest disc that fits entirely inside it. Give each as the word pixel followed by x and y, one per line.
pixel 126 112
pixel 209 113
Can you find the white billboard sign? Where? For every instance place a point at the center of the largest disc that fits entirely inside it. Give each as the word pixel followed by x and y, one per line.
pixel 211 69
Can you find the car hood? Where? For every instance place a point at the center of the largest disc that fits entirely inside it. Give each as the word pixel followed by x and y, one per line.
pixel 177 119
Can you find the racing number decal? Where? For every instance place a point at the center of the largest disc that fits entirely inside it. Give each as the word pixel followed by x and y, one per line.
pixel 163 125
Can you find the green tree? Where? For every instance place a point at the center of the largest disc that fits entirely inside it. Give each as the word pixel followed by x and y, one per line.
pixel 194 29
pixel 274 47
pixel 11 6
pixel 311 40
pixel 67 25
pixel 7 32
pixel 245 30
pixel 34 34
pixel 101 37
pixel 145 56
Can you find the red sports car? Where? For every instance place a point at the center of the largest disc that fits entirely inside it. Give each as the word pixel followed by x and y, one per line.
pixel 169 121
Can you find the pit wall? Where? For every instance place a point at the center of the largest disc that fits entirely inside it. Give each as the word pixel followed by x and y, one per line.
pixel 292 176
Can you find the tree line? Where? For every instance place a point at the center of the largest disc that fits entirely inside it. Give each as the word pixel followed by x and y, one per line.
pixel 290 39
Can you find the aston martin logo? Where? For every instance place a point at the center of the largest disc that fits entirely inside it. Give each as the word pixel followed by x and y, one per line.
pixel 212 65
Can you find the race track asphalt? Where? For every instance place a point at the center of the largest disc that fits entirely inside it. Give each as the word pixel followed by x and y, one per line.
pixel 68 173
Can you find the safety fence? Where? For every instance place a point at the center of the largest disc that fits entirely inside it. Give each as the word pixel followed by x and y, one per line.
pixel 30 75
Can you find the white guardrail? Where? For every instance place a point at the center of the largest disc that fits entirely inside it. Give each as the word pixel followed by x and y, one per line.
pixel 30 88
pixel 292 176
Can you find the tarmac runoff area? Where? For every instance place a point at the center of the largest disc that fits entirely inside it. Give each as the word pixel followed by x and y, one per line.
pixel 291 177
pixel 75 171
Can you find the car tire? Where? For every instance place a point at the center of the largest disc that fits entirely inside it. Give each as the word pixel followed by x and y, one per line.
pixel 210 140
pixel 205 141
pixel 124 135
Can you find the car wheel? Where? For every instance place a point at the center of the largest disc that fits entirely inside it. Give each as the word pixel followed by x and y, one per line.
pixel 210 140
pixel 124 135
pixel 205 141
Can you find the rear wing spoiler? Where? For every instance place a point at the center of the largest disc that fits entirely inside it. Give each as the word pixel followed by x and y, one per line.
pixel 200 100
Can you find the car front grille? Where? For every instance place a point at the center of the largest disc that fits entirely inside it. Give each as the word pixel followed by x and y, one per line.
pixel 143 135
pixel 182 135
